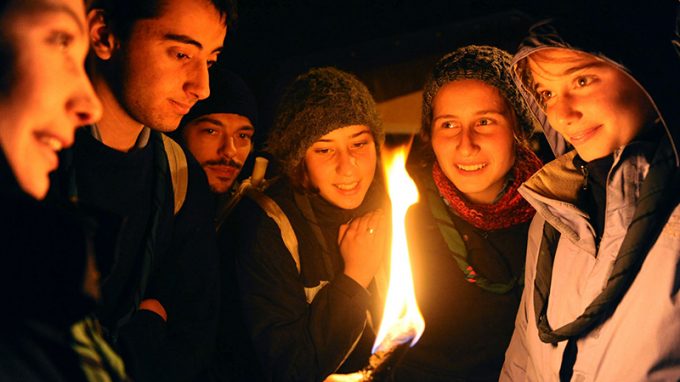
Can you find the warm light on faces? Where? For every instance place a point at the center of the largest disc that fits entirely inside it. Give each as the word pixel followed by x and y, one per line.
pixel 51 95
pixel 472 138
pixel 221 143
pixel 164 64
pixel 341 165
pixel 596 106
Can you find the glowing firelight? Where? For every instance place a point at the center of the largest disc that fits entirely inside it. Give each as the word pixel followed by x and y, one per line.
pixel 401 320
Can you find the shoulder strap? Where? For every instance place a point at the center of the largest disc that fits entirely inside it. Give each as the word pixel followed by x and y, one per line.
pixel 179 171
pixel 276 213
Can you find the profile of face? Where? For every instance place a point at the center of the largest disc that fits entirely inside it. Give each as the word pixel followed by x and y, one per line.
pixel 472 138
pixel 221 143
pixel 342 164
pixel 50 95
pixel 596 106
pixel 161 70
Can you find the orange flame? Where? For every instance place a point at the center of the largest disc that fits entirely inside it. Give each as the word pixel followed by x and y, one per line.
pixel 401 320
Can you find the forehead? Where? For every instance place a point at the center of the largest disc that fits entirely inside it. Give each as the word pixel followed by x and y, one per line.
pixel 74 9
pixel 467 92
pixel 346 132
pixel 226 120
pixel 559 62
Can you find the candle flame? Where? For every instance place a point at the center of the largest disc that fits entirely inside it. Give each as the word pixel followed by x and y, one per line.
pixel 401 321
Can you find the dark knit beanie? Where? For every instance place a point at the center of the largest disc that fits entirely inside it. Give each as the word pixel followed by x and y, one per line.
pixel 484 63
pixel 313 105
pixel 229 94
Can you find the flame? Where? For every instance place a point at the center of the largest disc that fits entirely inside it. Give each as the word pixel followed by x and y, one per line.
pixel 402 321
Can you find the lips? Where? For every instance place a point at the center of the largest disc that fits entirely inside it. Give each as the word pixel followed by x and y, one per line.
pixel 181 107
pixel 583 135
pixel 471 167
pixel 51 144
pixel 347 187
pixel 223 171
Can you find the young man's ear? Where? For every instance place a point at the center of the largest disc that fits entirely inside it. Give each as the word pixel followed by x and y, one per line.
pixel 102 40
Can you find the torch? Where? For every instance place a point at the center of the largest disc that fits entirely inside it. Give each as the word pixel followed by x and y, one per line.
pixel 402 324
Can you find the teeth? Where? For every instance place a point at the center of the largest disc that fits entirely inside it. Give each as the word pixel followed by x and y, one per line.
pixel 347 186
pixel 52 142
pixel 473 167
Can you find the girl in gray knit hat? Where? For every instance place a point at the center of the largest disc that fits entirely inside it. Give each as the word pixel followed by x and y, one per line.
pixel 306 265
pixel 468 233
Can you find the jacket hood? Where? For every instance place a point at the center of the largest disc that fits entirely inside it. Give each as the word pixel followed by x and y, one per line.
pixel 642 39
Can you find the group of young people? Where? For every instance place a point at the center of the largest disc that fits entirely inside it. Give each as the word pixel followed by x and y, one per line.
pixel 112 268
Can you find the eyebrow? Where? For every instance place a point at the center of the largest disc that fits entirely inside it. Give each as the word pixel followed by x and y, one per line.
pixel 43 6
pixel 481 112
pixel 353 136
pixel 217 122
pixel 184 39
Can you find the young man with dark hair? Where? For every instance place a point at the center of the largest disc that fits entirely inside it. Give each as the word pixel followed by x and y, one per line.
pixel 601 298
pixel 149 65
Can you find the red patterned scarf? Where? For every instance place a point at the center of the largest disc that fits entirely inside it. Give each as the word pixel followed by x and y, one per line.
pixel 509 210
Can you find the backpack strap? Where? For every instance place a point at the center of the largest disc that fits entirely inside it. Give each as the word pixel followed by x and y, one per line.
pixel 179 171
pixel 272 209
pixel 276 213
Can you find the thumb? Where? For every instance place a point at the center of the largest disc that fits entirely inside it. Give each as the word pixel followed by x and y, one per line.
pixel 342 231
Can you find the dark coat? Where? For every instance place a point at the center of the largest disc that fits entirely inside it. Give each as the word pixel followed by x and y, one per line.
pixel 181 265
pixel 467 328
pixel 295 340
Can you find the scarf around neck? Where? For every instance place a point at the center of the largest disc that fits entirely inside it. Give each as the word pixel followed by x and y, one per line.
pixel 508 210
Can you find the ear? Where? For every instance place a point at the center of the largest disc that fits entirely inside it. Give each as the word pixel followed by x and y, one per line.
pixel 101 37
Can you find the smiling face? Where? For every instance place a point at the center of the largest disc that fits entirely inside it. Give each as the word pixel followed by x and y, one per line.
pixel 220 143
pixel 341 165
pixel 472 138
pixel 596 106
pixel 50 94
pixel 161 70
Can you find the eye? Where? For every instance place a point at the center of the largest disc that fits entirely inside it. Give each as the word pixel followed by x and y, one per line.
pixel 583 81
pixel 449 125
pixel 244 136
pixel 182 56
pixel 210 131
pixel 485 122
pixel 61 40
pixel 322 151
pixel 359 145
pixel 545 95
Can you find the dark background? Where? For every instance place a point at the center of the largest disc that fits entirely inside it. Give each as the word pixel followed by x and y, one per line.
pixel 390 45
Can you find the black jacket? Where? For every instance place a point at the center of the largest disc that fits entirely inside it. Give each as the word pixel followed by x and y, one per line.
pixel 295 340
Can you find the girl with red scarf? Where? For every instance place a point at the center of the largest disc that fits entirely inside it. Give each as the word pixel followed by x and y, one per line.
pixel 467 235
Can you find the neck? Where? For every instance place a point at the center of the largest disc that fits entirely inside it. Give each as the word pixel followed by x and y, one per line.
pixel 118 129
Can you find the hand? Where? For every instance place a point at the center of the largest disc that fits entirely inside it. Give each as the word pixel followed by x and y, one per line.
pixel 362 244
pixel 153 305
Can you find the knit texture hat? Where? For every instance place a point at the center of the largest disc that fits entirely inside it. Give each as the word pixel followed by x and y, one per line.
pixel 229 94
pixel 484 63
pixel 313 105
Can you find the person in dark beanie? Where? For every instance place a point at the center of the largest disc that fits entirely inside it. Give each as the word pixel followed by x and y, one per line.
pixel 601 286
pixel 308 248
pixel 467 235
pixel 219 133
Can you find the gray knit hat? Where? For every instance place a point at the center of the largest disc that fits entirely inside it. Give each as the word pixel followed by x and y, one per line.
pixel 484 63
pixel 313 105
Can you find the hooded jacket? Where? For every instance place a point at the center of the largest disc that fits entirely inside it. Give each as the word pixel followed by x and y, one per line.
pixel 637 338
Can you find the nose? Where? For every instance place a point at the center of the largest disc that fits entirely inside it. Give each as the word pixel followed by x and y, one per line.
pixel 84 107
pixel 197 84
pixel 228 146
pixel 346 163
pixel 563 112
pixel 466 145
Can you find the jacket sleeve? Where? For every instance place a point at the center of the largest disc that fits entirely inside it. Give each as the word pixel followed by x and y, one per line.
pixel 517 359
pixel 186 283
pixel 295 341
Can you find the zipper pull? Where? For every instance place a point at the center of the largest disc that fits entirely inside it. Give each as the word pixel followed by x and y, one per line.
pixel 584 171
